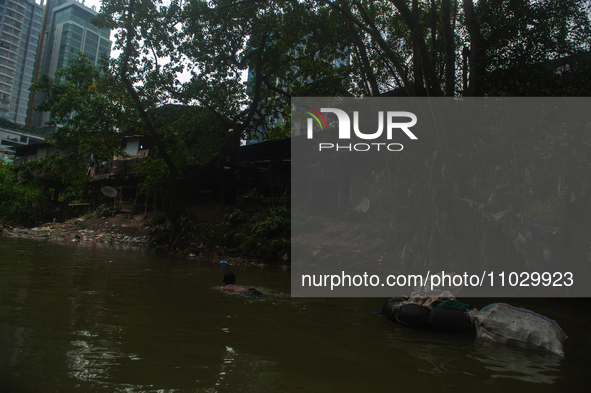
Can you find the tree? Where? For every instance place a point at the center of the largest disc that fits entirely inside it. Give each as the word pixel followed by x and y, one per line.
pixel 331 47
pixel 413 48
pixel 217 43
pixel 416 45
pixel 91 110
pixel 20 202
pixel 88 110
pixel 280 44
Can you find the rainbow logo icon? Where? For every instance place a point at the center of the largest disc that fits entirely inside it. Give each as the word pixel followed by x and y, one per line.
pixel 315 114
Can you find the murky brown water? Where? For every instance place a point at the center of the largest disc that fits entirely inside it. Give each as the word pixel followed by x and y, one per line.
pixel 76 318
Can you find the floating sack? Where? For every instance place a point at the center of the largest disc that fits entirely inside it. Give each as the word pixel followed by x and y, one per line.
pixel 503 322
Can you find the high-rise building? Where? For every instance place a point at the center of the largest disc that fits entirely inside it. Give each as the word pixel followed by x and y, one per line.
pixel 67 31
pixel 20 29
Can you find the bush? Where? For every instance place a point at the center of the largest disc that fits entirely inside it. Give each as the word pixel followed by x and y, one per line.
pixel 271 222
pixel 20 203
pixel 305 221
pixel 106 210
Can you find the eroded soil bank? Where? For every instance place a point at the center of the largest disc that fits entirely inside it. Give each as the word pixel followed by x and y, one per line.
pixel 247 235
pixel 120 228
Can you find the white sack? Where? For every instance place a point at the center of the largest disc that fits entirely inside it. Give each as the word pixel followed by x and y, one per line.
pixel 503 322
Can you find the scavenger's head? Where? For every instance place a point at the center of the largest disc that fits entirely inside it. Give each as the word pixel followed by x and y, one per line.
pixel 229 278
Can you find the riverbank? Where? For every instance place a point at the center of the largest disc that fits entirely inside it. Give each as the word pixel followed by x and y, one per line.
pixel 117 229
pixel 245 236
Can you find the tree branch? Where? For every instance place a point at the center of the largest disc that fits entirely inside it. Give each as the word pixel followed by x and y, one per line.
pixel 450 56
pixel 136 98
pixel 208 10
pixel 477 65
pixel 431 80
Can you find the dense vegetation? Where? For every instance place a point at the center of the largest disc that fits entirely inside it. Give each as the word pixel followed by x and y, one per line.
pixel 195 54
pixel 19 202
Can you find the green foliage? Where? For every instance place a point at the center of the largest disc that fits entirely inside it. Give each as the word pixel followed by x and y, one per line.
pixel 65 171
pixel 19 203
pixel 155 176
pixel 158 219
pixel 282 130
pixel 219 42
pixel 89 109
pixel 302 221
pixel 270 222
pixel 106 210
pixel 245 232
pixel 193 134
pixel 234 217
pixel 551 211
pixel 239 231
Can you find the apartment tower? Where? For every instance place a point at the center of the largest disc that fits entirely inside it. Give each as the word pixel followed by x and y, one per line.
pixel 20 29
pixel 67 31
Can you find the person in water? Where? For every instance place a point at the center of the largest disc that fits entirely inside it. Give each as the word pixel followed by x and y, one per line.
pixel 230 286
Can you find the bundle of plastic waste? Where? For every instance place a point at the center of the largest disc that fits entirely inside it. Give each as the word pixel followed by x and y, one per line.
pixel 505 323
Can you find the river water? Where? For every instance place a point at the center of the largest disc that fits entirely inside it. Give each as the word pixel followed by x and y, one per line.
pixel 89 318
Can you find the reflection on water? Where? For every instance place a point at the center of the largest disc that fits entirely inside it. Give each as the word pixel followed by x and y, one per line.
pixel 90 357
pixel 517 363
pixel 92 319
pixel 245 373
pixel 12 341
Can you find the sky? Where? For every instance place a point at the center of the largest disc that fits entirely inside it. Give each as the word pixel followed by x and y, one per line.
pixel 88 3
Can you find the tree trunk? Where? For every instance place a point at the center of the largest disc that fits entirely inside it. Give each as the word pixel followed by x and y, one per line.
pixel 477 52
pixel 431 79
pixel 450 56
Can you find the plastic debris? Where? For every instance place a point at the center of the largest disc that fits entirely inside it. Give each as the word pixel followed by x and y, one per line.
pixel 547 254
pixel 363 207
pixel 505 323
